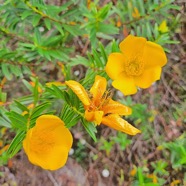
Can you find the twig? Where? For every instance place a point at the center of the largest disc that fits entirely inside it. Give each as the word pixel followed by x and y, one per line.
pixel 52 179
pixel 169 90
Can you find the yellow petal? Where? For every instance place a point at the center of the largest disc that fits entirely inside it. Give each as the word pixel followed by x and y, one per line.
pixel 163 27
pixel 79 90
pixel 135 13
pixel 154 55
pixel 115 65
pixel 51 160
pixel 99 87
pixel 94 116
pixel 51 122
pixel 47 144
pixel 46 121
pixel 56 83
pixel 132 46
pixel 148 77
pixel 1 103
pixel 116 122
pixel 116 108
pixel 125 84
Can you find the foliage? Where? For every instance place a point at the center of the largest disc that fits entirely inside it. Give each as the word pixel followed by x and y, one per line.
pixel 177 150
pixel 43 42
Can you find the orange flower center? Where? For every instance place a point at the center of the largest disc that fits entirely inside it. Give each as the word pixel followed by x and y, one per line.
pixel 42 142
pixel 134 66
pixel 97 104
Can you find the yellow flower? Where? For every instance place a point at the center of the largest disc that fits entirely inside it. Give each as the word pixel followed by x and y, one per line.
pixel 1 103
pixel 3 82
pixel 153 177
pixel 175 182
pixel 33 85
pixel 135 13
pixel 47 144
pixel 139 64
pixel 163 28
pixel 100 108
pixel 5 148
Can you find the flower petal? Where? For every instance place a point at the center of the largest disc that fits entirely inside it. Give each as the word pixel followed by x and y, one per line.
pixel 94 116
pixel 125 84
pixel 47 144
pixel 132 45
pixel 53 160
pixel 114 107
pixel 154 55
pixel 46 121
pixel 79 90
pixel 98 88
pixel 148 77
pixel 52 123
pixel 115 65
pixel 116 122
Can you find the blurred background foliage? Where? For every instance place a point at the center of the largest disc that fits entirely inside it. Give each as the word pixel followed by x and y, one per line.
pixel 53 41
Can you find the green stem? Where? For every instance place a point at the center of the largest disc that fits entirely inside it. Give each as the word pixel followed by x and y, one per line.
pixel 79 113
pixel 41 13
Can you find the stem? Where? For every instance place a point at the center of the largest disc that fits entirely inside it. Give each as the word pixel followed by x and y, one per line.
pixel 12 35
pixel 79 113
pixel 41 13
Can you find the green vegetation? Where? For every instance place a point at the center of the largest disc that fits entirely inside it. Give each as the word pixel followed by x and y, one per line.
pixel 51 41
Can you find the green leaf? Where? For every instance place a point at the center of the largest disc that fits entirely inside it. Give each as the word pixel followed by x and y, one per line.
pixel 97 58
pixel 90 128
pixel 47 23
pixel 36 92
pixel 6 71
pixel 70 13
pixel 93 38
pixel 38 111
pixel 37 36
pixel 115 47
pixel 58 92
pixel 28 85
pixel 5 123
pixel 16 70
pixel 104 11
pixel 74 30
pixel 69 117
pixel 56 54
pixel 3 96
pixel 103 53
pixel 18 121
pixel 28 45
pixel 140 176
pixel 108 28
pixel 142 7
pixel 44 53
pixel 59 28
pixel 21 106
pixel 36 19
pixel 151 184
pixel 79 60
pixel 26 13
pixel 16 144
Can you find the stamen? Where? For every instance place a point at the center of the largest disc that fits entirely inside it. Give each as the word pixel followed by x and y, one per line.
pixel 106 97
pixel 134 66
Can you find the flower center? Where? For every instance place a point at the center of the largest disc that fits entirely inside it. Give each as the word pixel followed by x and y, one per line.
pixel 134 66
pixel 100 102
pixel 42 142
